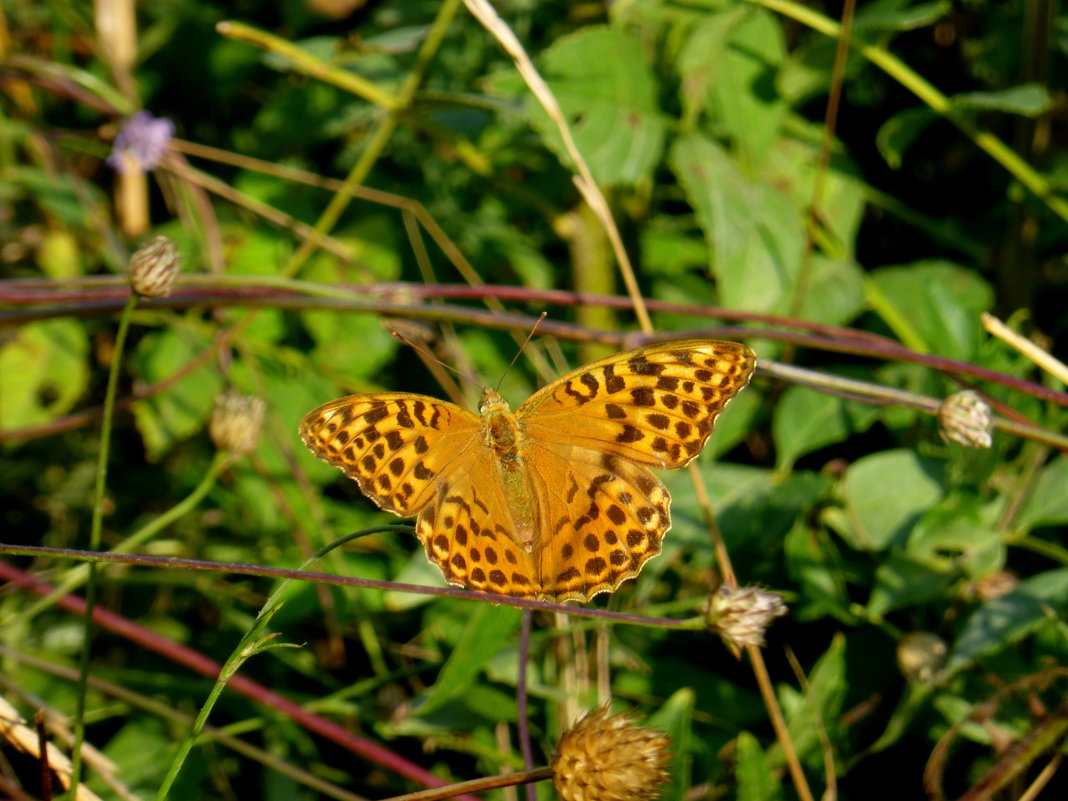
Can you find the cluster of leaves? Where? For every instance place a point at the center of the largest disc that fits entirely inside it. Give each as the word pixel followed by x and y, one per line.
pixel 704 124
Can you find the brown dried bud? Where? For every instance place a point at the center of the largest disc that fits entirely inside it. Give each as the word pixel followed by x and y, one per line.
pixel 993 585
pixel 965 418
pixel 236 422
pixel 608 758
pixel 741 615
pixel 920 655
pixel 154 267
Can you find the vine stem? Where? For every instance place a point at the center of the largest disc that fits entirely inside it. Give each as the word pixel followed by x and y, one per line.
pixel 478 785
pixel 94 540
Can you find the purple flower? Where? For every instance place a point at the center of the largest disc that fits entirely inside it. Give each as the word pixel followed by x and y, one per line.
pixel 143 137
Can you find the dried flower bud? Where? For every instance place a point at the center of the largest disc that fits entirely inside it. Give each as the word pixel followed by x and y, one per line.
pixel 920 655
pixel 236 422
pixel 741 614
pixel 607 757
pixel 994 585
pixel 965 418
pixel 154 267
pixel 142 142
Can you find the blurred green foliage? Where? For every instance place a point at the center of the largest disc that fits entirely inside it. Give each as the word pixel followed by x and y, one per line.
pixel 703 122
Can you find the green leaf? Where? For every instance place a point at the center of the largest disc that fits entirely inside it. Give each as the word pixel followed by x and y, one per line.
pixel 904 579
pixel 815 564
pixel 675 718
pixel 755 507
pixel 934 305
pixel 816 714
pixel 735 422
pixel 608 96
pixel 885 494
pixel 736 56
pixel 757 780
pixel 489 628
pixel 893 15
pixel 185 407
pixel 43 372
pixel 1028 100
pixel 58 255
pixel 806 421
pixel 755 235
pixel 793 166
pixel 897 134
pixel 834 292
pixel 1047 504
pixel 1004 621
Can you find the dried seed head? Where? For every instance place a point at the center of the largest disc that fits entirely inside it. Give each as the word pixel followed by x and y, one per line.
pixel 236 422
pixel 993 585
pixel 607 757
pixel 965 418
pixel 741 615
pixel 920 655
pixel 154 267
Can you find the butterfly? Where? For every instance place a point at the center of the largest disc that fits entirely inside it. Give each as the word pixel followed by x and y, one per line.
pixel 555 501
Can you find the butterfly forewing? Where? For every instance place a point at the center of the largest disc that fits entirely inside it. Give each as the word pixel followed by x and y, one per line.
pixel 656 405
pixel 393 445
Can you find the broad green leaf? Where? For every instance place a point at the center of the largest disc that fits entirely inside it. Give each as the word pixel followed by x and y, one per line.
pixel 138 752
pixel 675 718
pixel 418 570
pixel 608 96
pixel 963 534
pixel 1029 100
pixel 670 252
pixel 793 166
pixel 813 561
pixel 735 422
pixel 934 304
pixel 58 255
pixel 806 421
pixel 1004 621
pixel 43 372
pixel 349 345
pixel 735 57
pixel 834 291
pixel 816 714
pixel 757 779
pixel 904 579
pixel 488 629
pixel 754 506
pixel 893 15
pixel 1047 504
pixel 885 494
pixel 755 235
pixel 184 408
pixel 897 134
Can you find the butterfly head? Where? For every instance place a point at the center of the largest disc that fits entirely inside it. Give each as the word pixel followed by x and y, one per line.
pixel 493 403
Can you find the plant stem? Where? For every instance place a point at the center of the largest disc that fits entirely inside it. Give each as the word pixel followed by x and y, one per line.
pixel 94 540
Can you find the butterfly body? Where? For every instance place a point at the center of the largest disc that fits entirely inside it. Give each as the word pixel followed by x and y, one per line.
pixel 554 500
pixel 503 436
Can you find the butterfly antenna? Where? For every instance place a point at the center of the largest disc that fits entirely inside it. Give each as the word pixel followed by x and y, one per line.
pixel 427 354
pixel 515 358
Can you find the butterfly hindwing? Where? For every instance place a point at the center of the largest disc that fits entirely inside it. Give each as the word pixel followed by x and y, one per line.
pixel 466 531
pixel 603 518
